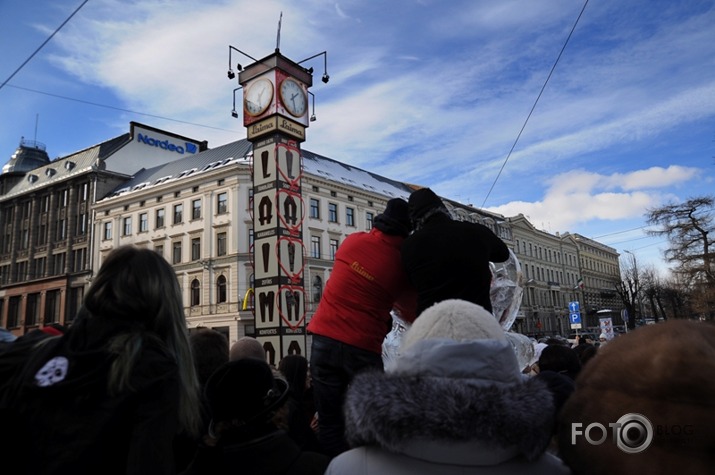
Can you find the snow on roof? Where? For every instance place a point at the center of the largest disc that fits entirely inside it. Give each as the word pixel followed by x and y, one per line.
pixel 240 152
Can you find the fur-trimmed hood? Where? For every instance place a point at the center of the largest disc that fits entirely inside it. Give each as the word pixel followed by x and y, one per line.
pixel 452 402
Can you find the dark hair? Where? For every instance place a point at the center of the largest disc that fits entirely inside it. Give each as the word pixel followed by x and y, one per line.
pixel 556 341
pixel 585 353
pixel 560 359
pixel 210 350
pixel 294 369
pixel 139 287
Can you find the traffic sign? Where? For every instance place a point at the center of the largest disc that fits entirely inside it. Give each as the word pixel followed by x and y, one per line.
pixel 574 307
pixel 575 319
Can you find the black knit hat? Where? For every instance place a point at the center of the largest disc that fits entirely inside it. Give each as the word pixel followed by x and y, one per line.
pixel 395 219
pixel 423 201
pixel 245 390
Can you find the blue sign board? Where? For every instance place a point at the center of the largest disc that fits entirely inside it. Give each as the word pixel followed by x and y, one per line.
pixel 575 315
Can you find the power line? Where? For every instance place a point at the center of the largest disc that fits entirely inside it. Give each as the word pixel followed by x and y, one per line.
pixel 88 102
pixel 620 232
pixel 43 44
pixel 535 102
pixel 118 108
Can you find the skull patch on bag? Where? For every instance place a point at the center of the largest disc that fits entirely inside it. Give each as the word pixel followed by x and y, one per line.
pixel 52 372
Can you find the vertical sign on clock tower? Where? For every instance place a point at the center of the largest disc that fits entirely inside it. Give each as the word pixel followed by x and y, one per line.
pixel 275 114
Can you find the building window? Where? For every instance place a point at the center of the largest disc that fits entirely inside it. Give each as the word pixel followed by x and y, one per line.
pixel 315 208
pixel 127 226
pixel 59 263
pixel 79 259
pixel 7 239
pixel 317 288
pixel 21 271
pixel 61 229
pixel 222 203
pixel 176 252
pixel 64 198
pixel 25 210
pixel 195 292
pixel 178 213
pixel 333 248
pixel 221 244
pixel 13 311
pixel 159 221
pixel 25 239
pixel 195 249
pixel 315 247
pixel 84 192
pixel 350 216
pixel 42 230
pixel 196 209
pixel 333 212
pixel 369 216
pixel 32 311
pixel 40 267
pixel 52 306
pixel 143 222
pixel 221 289
pixel 159 249
pixel 76 295
pixel 82 224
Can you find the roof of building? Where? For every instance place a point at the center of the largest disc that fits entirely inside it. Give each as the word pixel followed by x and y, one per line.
pixel 78 163
pixel 28 156
pixel 240 152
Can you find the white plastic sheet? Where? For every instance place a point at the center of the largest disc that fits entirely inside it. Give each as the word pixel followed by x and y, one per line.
pixel 506 290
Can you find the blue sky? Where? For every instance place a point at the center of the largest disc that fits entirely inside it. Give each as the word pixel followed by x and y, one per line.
pixel 431 92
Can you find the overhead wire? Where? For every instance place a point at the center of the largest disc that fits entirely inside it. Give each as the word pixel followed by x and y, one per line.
pixel 43 44
pixel 563 48
pixel 29 58
pixel 119 108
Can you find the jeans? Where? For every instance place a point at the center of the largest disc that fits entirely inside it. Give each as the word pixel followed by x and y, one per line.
pixel 333 365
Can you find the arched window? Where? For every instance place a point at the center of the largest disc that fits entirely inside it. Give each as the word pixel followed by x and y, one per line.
pixel 195 292
pixel 221 289
pixel 317 288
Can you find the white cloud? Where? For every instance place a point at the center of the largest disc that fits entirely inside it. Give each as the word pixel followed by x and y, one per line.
pixel 578 196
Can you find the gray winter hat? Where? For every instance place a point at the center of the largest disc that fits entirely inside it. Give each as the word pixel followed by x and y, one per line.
pixel 454 319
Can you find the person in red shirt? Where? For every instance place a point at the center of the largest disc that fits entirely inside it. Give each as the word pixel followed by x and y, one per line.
pixel 353 317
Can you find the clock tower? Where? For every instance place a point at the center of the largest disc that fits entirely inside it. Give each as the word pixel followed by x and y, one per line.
pixel 275 114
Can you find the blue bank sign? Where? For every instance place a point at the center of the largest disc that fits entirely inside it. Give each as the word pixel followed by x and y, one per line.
pixel 187 147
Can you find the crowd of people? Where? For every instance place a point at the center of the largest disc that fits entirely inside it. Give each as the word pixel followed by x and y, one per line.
pixel 126 390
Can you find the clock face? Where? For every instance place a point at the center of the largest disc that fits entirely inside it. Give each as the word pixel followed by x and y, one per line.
pixel 293 97
pixel 258 97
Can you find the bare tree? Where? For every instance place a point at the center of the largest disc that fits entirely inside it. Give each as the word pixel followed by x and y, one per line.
pixel 652 289
pixel 629 288
pixel 690 227
pixel 675 299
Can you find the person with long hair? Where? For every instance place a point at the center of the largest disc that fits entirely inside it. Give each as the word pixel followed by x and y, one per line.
pixel 110 394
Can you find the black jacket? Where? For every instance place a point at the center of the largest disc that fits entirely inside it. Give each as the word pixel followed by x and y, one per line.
pixel 447 259
pixel 273 453
pixel 70 424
